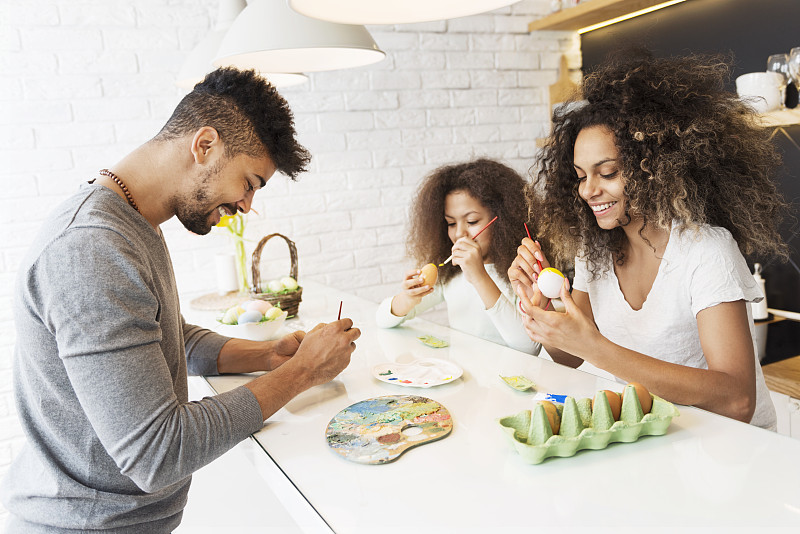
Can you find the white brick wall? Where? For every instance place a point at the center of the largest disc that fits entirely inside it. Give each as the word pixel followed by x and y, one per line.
pixel 83 82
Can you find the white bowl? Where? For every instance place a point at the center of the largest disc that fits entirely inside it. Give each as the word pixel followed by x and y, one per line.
pixel 760 89
pixel 253 331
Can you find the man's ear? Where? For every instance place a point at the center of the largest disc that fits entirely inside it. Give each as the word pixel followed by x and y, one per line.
pixel 206 142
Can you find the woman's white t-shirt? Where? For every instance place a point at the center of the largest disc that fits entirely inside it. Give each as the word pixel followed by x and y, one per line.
pixel 502 323
pixel 699 270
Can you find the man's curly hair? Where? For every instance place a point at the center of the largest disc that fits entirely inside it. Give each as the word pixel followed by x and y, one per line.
pixel 690 151
pixel 249 114
pixel 499 188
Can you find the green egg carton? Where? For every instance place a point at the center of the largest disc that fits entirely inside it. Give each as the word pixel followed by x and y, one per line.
pixel 582 428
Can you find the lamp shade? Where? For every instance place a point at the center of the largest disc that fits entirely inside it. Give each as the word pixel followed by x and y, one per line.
pixel 199 61
pixel 270 37
pixel 393 11
pixel 198 64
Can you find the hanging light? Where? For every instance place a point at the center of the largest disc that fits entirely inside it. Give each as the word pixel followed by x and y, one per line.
pixel 393 11
pixel 198 63
pixel 268 36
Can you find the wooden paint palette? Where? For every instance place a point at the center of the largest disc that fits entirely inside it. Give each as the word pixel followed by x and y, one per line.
pixel 379 430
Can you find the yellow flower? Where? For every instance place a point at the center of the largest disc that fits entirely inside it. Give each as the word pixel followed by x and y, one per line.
pixel 226 220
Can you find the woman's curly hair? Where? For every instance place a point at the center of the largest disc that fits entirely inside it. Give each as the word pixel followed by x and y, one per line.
pixel 499 188
pixel 690 151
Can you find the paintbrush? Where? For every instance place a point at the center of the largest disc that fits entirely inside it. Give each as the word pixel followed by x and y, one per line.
pixel 539 263
pixel 340 311
pixel 473 237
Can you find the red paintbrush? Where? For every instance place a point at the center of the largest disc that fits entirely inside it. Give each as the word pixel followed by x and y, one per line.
pixel 539 263
pixel 340 311
pixel 473 237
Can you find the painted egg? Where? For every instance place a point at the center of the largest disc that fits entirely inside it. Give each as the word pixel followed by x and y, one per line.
pixel 273 313
pixel 550 281
pixel 231 316
pixel 289 283
pixel 275 286
pixel 260 306
pixel 429 274
pixel 251 316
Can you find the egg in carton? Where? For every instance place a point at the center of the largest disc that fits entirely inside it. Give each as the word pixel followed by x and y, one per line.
pixel 585 428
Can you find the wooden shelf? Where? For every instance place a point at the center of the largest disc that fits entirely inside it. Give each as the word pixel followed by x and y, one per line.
pixel 589 12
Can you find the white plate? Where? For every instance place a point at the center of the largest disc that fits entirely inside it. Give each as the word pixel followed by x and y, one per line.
pixel 422 373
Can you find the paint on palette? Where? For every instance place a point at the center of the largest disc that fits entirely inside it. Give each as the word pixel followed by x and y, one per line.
pixel 379 430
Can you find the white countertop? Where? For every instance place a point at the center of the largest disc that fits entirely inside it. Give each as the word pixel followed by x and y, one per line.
pixel 707 472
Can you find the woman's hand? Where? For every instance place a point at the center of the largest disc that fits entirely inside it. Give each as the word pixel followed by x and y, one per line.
pixel 525 270
pixel 572 331
pixel 468 255
pixel 414 289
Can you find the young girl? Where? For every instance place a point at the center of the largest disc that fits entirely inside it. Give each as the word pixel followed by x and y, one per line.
pixel 450 208
pixel 658 183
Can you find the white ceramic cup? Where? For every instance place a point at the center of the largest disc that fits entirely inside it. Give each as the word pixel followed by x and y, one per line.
pixel 760 89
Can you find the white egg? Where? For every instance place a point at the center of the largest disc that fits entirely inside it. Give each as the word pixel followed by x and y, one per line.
pixel 251 316
pixel 260 306
pixel 550 281
pixel 275 286
pixel 289 283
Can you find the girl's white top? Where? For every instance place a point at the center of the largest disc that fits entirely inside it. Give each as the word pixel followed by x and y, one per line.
pixel 699 270
pixel 502 323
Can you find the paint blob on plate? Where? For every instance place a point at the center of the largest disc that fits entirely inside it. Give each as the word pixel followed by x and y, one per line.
pixel 379 430
pixel 421 373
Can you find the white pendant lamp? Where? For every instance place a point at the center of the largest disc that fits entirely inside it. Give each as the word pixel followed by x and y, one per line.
pixel 269 36
pixel 393 11
pixel 199 61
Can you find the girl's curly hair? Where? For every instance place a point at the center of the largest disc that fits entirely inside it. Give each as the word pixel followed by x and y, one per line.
pixel 690 151
pixel 499 188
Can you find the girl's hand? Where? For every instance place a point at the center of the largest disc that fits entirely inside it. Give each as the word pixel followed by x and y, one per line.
pixel 571 331
pixel 413 291
pixel 525 268
pixel 468 255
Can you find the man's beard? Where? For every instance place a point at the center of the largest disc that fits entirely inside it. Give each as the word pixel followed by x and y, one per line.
pixel 193 212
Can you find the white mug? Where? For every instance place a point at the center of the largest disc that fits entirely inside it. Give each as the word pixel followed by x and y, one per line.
pixel 760 89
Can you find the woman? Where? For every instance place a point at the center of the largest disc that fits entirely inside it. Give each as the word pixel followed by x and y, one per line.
pixel 657 185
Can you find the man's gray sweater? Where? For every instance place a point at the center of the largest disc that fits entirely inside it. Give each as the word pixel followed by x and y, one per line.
pixel 100 368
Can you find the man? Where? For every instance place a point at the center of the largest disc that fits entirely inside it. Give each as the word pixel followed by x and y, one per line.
pixel 101 356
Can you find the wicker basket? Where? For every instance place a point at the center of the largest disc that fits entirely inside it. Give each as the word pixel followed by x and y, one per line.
pixel 289 302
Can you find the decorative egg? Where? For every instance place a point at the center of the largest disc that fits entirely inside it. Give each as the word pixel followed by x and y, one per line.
pixel 260 306
pixel 251 316
pixel 550 282
pixel 231 315
pixel 289 283
pixel 275 286
pixel 273 313
pixel 429 273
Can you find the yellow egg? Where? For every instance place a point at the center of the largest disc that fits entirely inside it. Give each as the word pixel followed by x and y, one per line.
pixel 553 417
pixel 429 274
pixel 644 396
pixel 550 281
